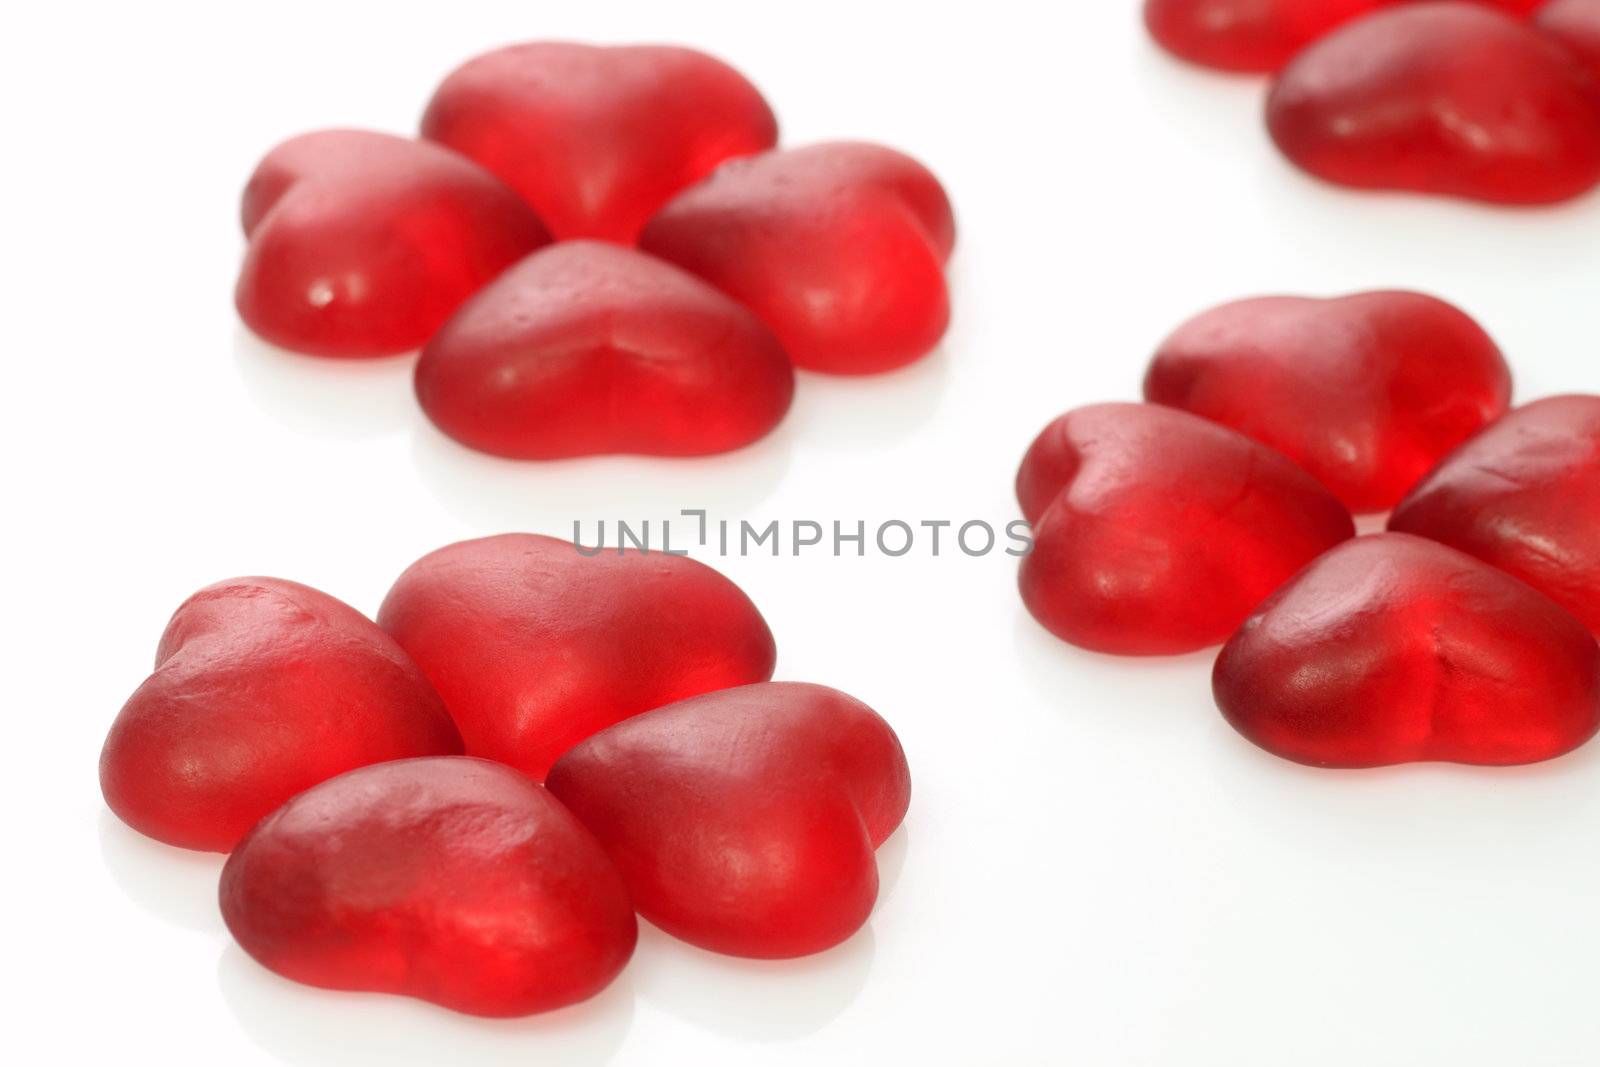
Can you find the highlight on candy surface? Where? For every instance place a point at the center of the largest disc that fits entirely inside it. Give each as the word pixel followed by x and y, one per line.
pixel 1157 532
pixel 450 879
pixel 745 821
pixel 597 139
pixel 1576 25
pixel 840 248
pixel 1524 496
pixel 1260 36
pixel 588 348
pixel 1395 649
pixel 1366 392
pixel 534 646
pixel 262 688
pixel 362 244
pixel 1447 98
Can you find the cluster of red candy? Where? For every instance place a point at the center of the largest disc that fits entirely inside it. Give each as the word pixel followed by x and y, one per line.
pixel 1495 100
pixel 598 250
pixel 325 751
pixel 1222 506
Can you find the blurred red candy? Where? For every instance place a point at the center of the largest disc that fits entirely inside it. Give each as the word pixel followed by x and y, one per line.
pixel 1394 649
pixel 1365 392
pixel 1446 98
pixel 1158 532
pixel 840 248
pixel 1524 496
pixel 598 138
pixel 262 688
pixel 454 880
pixel 534 646
pixel 1576 24
pixel 587 348
pixel 1260 36
pixel 745 821
pixel 1247 35
pixel 362 244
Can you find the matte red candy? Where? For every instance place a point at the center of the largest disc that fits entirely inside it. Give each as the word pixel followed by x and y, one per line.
pixel 745 821
pixel 587 348
pixel 362 244
pixel 1261 35
pixel 262 688
pixel 597 139
pixel 840 248
pixel 534 646
pixel 1366 392
pixel 454 880
pixel 1158 532
pixel 1446 98
pixel 1576 24
pixel 1524 495
pixel 1393 649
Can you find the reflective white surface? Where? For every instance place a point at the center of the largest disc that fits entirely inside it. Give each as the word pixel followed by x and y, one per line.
pixel 1095 868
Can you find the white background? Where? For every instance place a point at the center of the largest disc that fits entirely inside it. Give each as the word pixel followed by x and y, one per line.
pixel 1095 868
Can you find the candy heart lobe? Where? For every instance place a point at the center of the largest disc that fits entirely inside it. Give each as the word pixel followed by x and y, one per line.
pixel 454 880
pixel 262 688
pixel 745 820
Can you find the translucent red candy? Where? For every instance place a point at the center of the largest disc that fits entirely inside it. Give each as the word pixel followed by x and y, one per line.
pixel 587 348
pixel 362 244
pixel 840 248
pixel 534 647
pixel 745 821
pixel 262 688
pixel 597 139
pixel 1158 532
pixel 1443 98
pixel 1576 24
pixel 1261 35
pixel 1365 392
pixel 1393 649
pixel 454 880
pixel 1524 495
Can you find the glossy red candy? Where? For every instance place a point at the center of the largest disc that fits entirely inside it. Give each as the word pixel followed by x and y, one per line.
pixel 744 821
pixel 1259 36
pixel 454 880
pixel 1158 532
pixel 598 138
pixel 1524 495
pixel 262 688
pixel 587 348
pixel 1394 649
pixel 1365 392
pixel 534 646
pixel 1576 24
pixel 840 248
pixel 1446 98
pixel 362 244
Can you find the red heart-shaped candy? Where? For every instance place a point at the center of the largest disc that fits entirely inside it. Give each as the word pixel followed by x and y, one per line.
pixel 598 138
pixel 362 244
pixel 745 821
pixel 1576 24
pixel 840 248
pixel 1261 35
pixel 1446 98
pixel 262 688
pixel 1366 392
pixel 587 348
pixel 1158 532
pixel 1394 649
pixel 534 646
pixel 454 880
pixel 1524 495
